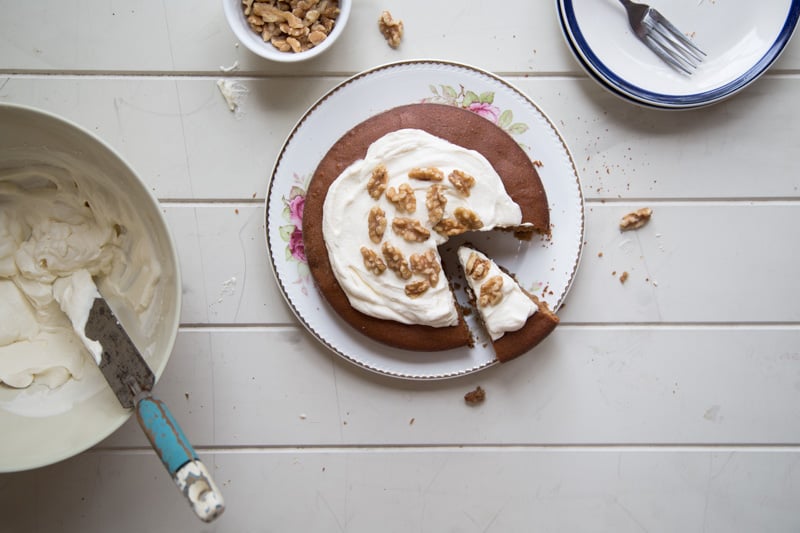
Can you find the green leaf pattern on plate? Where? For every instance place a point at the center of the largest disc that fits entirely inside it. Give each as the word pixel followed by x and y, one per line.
pixel 481 104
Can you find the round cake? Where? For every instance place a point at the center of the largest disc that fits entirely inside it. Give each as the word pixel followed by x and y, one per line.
pixel 473 141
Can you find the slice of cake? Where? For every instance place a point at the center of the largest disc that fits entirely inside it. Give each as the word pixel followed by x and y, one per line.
pixel 388 193
pixel 514 319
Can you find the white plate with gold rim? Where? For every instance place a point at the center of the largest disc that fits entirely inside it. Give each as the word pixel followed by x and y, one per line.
pixel 545 267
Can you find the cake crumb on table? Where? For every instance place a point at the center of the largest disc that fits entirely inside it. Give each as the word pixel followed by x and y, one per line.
pixel 476 396
pixel 623 277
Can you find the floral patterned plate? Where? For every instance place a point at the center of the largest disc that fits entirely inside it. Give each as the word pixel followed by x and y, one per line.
pixel 545 267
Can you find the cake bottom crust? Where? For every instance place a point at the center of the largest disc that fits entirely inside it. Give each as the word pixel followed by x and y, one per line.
pixel 516 343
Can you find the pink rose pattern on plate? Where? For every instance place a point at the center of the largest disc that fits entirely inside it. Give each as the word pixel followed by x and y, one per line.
pixel 481 104
pixel 292 233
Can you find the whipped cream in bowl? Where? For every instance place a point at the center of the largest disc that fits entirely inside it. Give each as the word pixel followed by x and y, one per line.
pixel 73 215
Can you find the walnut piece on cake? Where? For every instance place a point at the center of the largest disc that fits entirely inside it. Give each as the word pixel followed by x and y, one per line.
pixel 377 182
pixel 402 198
pixel 376 224
pixel 435 201
pixel 449 227
pixel 476 267
pixel 636 219
pixel 372 262
pixel 462 181
pixel 391 29
pixel 463 219
pixel 417 288
pixel 468 218
pixel 426 265
pixel 426 174
pixel 410 229
pixel 395 261
pixel 491 292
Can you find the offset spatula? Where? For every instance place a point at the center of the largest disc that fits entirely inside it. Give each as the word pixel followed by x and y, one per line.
pixel 132 381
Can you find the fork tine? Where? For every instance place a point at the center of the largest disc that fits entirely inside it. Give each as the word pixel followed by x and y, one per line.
pixel 673 47
pixel 696 52
pixel 661 52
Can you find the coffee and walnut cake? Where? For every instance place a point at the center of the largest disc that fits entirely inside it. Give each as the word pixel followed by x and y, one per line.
pixel 393 189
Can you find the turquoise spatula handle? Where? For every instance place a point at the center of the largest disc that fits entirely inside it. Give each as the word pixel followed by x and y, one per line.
pixel 179 458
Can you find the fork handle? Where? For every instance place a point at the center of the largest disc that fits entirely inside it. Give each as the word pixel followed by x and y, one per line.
pixel 636 13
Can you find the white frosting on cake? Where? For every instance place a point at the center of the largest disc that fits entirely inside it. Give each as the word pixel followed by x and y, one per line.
pixel 513 309
pixel 346 230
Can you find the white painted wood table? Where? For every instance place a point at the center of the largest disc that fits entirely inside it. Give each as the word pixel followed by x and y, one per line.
pixel 669 403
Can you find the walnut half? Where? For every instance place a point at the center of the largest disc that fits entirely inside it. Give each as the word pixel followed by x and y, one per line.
pixel 477 268
pixel 468 218
pixel 491 292
pixel 395 261
pixel 417 288
pixel 426 265
pixel 463 219
pixel 435 201
pixel 635 220
pixel 462 181
pixel 410 229
pixel 372 262
pixel 403 198
pixel 376 222
pixel 391 29
pixel 377 182
pixel 426 174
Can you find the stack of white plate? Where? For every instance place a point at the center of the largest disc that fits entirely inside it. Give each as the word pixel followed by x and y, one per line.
pixel 741 37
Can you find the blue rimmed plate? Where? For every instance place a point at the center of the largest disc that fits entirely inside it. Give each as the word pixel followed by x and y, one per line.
pixel 742 40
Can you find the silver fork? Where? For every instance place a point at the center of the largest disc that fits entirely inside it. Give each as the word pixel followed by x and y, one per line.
pixel 668 43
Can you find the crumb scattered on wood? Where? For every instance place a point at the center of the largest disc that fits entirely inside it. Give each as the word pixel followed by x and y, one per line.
pixel 636 219
pixel 476 396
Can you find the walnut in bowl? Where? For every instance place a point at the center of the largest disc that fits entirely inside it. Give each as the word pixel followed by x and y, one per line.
pixel 287 30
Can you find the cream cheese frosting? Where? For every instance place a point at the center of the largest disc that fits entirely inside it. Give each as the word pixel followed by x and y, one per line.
pixel 346 220
pixel 55 237
pixel 513 307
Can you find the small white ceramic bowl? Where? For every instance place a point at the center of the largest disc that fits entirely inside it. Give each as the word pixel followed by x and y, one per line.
pixel 43 426
pixel 234 13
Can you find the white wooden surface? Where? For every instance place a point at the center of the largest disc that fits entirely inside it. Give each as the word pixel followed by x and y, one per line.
pixel 669 403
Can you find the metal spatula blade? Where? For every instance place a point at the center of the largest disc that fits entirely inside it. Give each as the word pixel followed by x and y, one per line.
pixel 132 381
pixel 121 364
